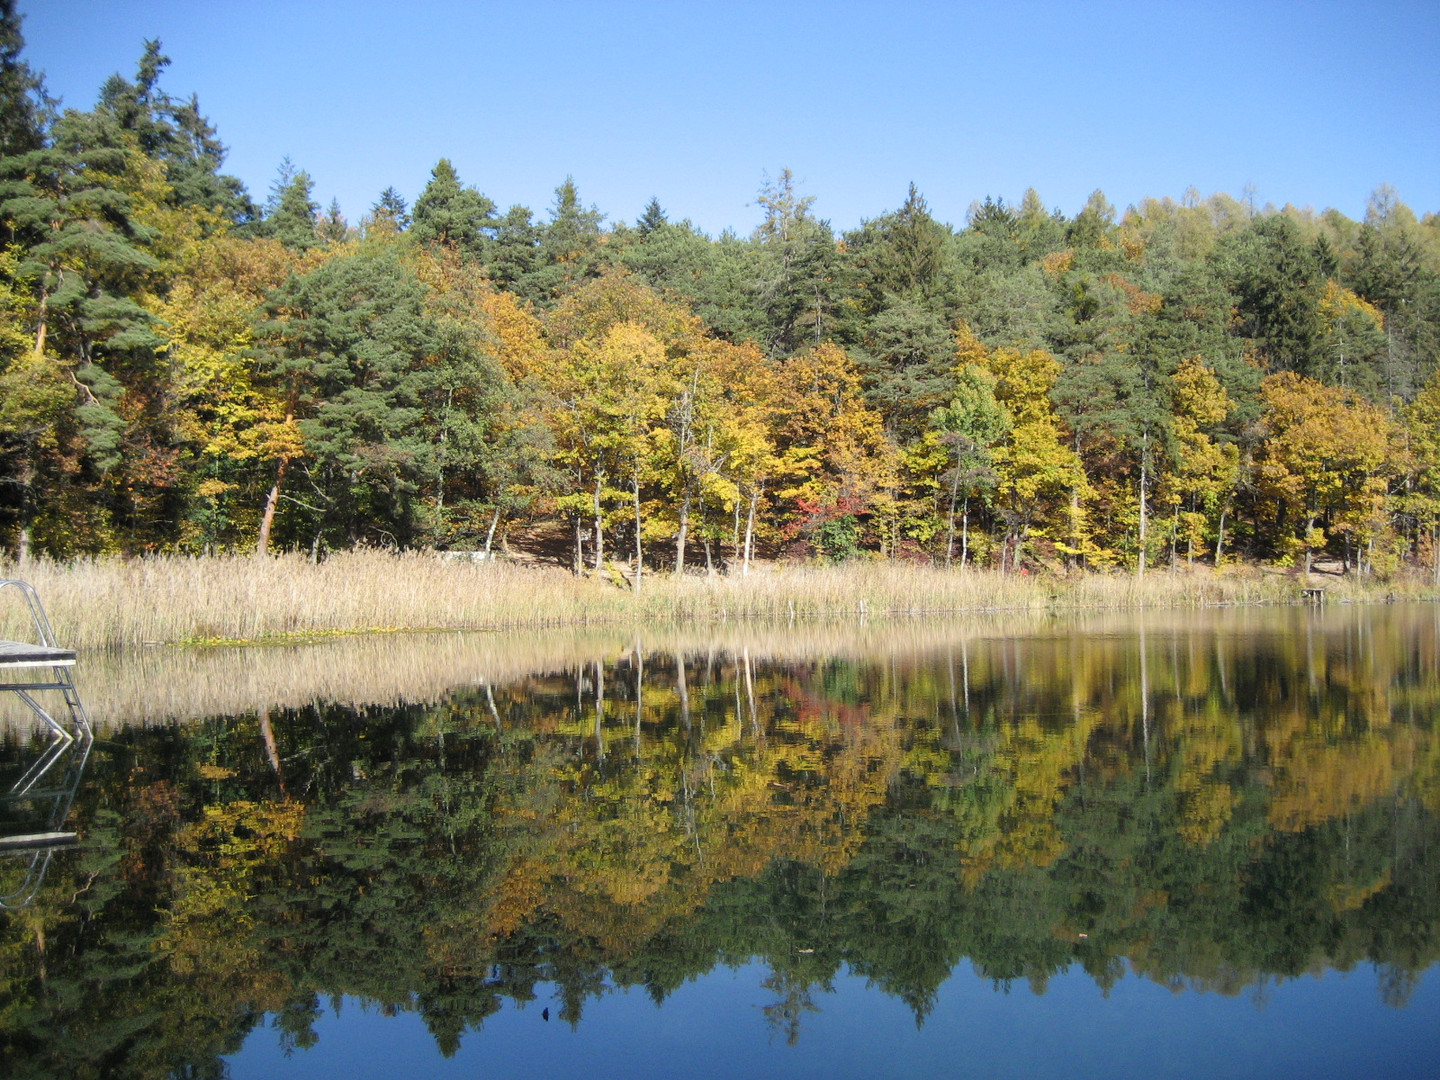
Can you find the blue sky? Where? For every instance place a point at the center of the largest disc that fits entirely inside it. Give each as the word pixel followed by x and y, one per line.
pixel 1311 103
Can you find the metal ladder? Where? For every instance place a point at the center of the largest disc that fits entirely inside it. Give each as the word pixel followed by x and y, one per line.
pixel 70 740
pixel 16 655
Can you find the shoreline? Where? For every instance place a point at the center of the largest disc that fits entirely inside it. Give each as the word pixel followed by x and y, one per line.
pixel 185 601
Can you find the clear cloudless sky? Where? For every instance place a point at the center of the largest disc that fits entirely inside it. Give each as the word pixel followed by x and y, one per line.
pixel 1313 103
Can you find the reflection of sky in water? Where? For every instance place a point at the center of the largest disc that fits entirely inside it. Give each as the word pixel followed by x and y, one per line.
pixel 1335 1026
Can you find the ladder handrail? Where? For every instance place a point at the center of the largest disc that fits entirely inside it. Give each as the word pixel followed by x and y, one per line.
pixel 37 611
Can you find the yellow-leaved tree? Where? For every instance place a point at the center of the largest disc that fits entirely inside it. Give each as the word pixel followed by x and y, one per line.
pixel 238 425
pixel 1206 471
pixel 1040 485
pixel 839 467
pixel 1420 498
pixel 1322 460
pixel 609 388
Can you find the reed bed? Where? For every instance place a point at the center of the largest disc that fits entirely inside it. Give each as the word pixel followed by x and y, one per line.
pixel 114 602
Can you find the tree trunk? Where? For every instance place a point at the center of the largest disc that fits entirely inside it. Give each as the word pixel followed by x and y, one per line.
pixel 965 534
pixel 267 519
pixel 42 317
pixel 1144 480
pixel 1309 526
pixel 579 545
pixel 1174 537
pixel 27 503
pixel 639 555
pixel 681 536
pixel 950 520
pixel 735 539
pixel 639 693
pixel 272 748
pixel 750 692
pixel 750 532
pixel 490 532
pixel 599 527
pixel 440 468
pixel 684 691
pixel 600 712
pixel 272 501
pixel 1220 540
pixel 1077 559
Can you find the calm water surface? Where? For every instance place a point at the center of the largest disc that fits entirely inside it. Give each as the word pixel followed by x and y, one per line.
pixel 1183 845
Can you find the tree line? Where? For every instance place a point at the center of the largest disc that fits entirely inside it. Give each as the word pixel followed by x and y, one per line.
pixel 185 369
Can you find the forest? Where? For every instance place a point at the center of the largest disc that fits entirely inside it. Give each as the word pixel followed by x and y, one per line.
pixel 184 369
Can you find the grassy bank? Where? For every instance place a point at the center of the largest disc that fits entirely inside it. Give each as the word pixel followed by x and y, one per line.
pixel 120 602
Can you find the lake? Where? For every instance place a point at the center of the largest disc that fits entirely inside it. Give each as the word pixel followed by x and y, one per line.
pixel 1178 844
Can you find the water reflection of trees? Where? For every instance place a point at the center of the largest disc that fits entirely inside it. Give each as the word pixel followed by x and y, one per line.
pixel 1206 811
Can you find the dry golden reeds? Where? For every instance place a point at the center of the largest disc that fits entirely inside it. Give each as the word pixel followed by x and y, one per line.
pixel 114 602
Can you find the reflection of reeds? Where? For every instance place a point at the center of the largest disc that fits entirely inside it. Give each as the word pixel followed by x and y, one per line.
pixel 163 685
pixel 119 602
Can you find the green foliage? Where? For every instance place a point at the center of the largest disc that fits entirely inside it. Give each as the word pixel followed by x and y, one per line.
pixel 178 136
pixel 293 215
pixel 1277 282
pixel 23 102
pixel 796 288
pixel 448 212
pixel 353 341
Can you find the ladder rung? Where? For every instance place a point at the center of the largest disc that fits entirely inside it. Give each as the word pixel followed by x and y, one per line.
pixel 34 840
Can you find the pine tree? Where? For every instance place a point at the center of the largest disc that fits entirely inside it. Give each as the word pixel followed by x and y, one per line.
pixel 448 212
pixel 901 254
pixel 293 215
pixel 652 219
pixel 351 341
pixel 569 245
pixel 24 107
pixel 177 135
pixel 391 208
pixel 332 226
pixel 798 283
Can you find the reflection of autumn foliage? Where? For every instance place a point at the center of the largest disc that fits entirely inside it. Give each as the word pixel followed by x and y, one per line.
pixel 153 812
pixel 1034 766
pixel 795 766
pixel 231 853
pixel 516 897
pixel 1320 781
pixel 1203 812
pixel 642 838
